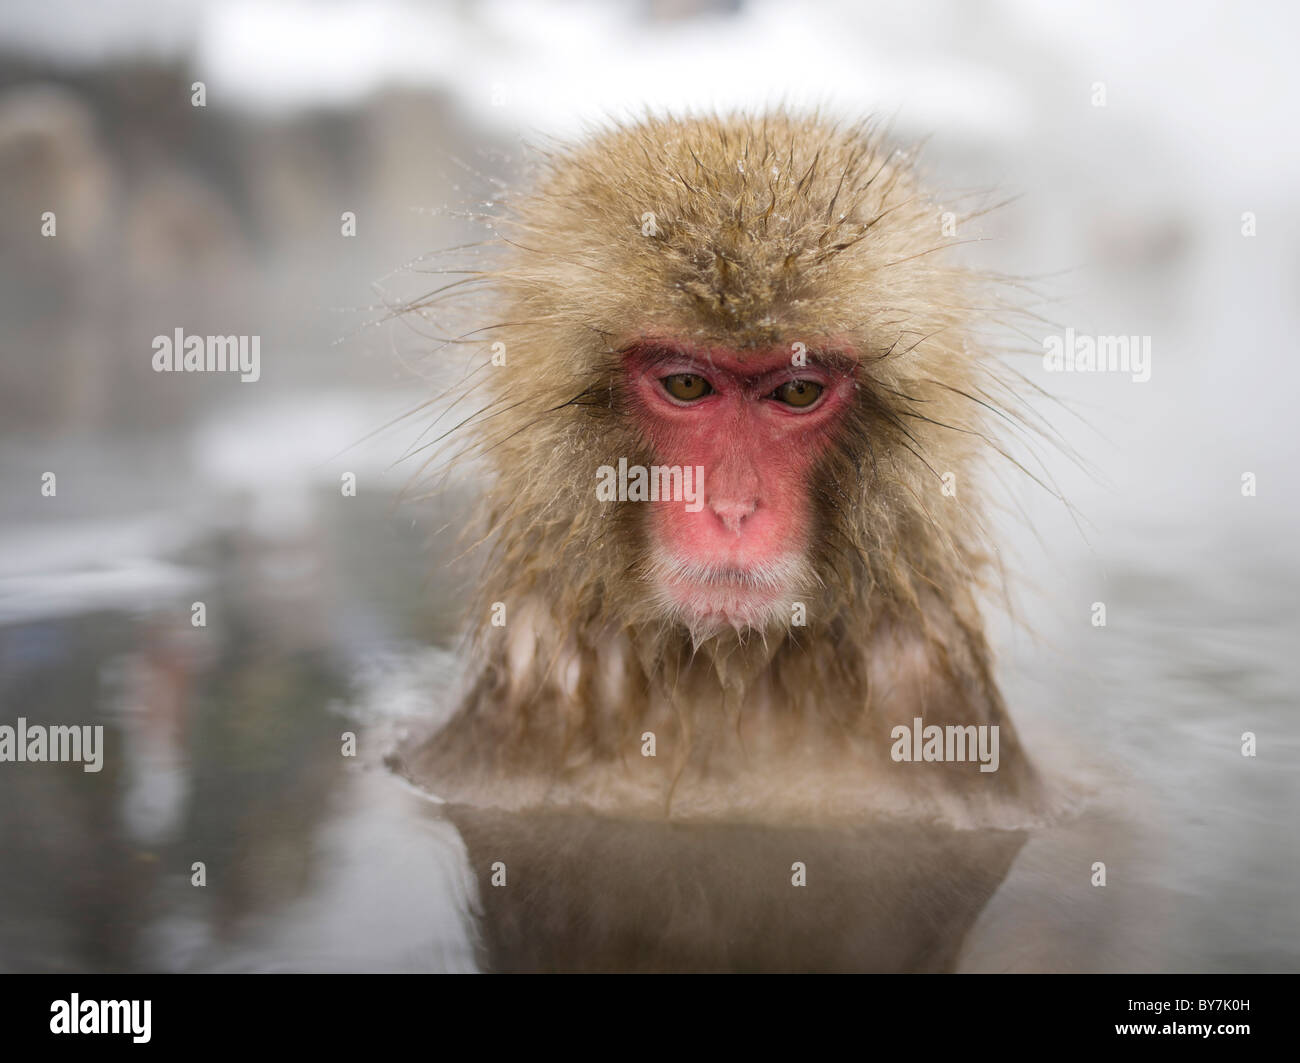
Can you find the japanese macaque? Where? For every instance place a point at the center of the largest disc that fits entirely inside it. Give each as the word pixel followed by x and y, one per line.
pixel 732 407
pixel 733 546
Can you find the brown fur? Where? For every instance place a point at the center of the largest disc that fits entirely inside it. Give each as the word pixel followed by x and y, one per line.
pixel 770 230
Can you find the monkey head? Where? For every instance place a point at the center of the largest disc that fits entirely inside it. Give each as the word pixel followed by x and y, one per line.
pixel 750 308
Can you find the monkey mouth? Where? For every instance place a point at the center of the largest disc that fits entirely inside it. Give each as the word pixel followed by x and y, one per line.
pixel 710 597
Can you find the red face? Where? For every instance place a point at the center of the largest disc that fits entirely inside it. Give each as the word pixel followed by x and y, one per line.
pixel 755 424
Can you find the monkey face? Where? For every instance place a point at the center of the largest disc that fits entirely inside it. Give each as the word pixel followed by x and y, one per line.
pixel 752 428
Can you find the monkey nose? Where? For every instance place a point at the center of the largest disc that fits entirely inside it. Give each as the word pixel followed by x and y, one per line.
pixel 733 514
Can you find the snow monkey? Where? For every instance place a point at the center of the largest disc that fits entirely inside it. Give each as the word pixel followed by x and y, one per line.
pixel 732 408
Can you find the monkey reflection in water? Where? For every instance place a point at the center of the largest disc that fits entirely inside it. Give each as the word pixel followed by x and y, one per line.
pixel 687 739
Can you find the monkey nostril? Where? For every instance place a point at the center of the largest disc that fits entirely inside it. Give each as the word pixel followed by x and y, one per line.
pixel 733 514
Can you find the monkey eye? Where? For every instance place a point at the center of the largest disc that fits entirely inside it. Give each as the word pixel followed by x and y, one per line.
pixel 686 387
pixel 798 393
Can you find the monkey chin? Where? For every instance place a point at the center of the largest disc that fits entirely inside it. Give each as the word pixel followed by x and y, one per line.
pixel 712 599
